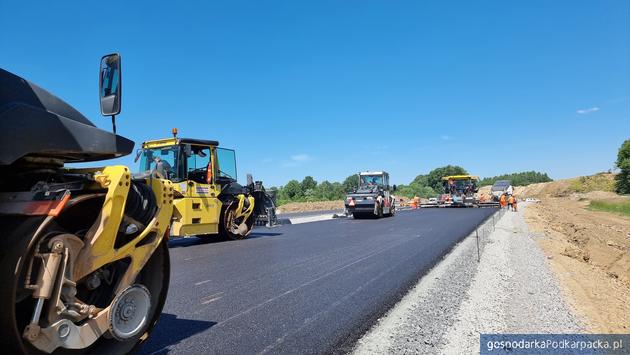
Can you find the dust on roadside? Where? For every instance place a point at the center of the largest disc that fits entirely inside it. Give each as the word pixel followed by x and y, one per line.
pixel 588 250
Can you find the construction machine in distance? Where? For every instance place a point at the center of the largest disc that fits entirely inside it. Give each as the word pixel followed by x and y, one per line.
pixel 84 261
pixel 372 198
pixel 501 187
pixel 460 191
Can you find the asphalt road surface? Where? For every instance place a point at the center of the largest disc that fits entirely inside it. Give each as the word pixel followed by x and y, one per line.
pixel 306 288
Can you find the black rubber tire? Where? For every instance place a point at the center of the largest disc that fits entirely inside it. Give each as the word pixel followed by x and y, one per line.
pixel 14 244
pixel 17 246
pixel 141 204
pixel 362 215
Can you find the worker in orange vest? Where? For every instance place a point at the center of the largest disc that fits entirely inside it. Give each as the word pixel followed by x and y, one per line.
pixel 416 202
pixel 514 208
pixel 511 202
pixel 502 201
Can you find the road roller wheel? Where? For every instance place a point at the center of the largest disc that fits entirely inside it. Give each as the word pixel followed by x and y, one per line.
pixel 229 226
pixel 136 309
pixel 359 215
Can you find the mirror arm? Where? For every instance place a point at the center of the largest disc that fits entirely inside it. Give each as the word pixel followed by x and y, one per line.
pixel 114 123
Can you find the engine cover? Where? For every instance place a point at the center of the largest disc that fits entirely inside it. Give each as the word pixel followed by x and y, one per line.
pixel 34 122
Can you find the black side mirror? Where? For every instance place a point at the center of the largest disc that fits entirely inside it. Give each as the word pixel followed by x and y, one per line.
pixel 394 187
pixel 110 85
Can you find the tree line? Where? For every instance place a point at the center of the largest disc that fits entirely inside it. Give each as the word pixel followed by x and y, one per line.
pixel 518 179
pixel 309 190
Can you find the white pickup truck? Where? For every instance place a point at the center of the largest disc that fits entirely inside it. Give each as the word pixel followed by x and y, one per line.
pixel 501 187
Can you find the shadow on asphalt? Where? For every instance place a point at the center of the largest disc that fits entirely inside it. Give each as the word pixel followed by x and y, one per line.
pixel 170 331
pixel 179 242
pixel 263 234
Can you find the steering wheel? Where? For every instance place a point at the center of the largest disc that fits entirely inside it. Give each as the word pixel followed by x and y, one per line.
pixel 198 174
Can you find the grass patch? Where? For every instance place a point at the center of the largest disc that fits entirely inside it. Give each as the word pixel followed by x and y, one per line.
pixel 599 182
pixel 620 207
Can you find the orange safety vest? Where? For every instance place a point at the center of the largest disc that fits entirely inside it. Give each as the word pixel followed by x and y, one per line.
pixel 511 199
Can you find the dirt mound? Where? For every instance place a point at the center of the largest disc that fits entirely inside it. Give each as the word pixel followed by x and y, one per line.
pixel 310 206
pixel 601 183
pixel 589 250
pixel 581 187
pixel 484 190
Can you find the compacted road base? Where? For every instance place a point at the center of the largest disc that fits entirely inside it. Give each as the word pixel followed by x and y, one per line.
pixel 307 288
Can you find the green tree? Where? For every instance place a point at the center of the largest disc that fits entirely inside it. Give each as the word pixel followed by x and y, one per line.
pixel 308 183
pixel 434 178
pixel 421 180
pixel 622 180
pixel 415 189
pixel 310 195
pixel 339 192
pixel 518 179
pixel 351 183
pixel 324 191
pixel 293 190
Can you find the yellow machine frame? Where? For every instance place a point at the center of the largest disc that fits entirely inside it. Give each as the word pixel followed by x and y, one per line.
pixel 101 238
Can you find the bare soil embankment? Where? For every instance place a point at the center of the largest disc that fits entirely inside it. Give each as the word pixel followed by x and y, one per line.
pixel 588 250
pixel 310 206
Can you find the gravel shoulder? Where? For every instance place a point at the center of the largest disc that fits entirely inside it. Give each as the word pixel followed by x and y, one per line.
pixel 510 290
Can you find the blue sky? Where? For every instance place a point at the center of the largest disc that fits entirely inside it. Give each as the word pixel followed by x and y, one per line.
pixel 328 88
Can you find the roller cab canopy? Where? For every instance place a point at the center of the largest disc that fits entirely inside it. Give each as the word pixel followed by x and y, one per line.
pixel 36 123
pixel 460 177
pixel 167 142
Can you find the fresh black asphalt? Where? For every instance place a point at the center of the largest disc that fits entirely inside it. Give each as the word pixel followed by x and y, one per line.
pixel 305 288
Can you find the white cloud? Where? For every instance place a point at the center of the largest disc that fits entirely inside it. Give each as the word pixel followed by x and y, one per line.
pixel 300 157
pixel 587 111
pixel 297 160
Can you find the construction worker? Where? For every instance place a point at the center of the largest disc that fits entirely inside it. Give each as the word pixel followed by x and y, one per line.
pixel 416 202
pixel 502 201
pixel 162 167
pixel 514 203
pixel 511 202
